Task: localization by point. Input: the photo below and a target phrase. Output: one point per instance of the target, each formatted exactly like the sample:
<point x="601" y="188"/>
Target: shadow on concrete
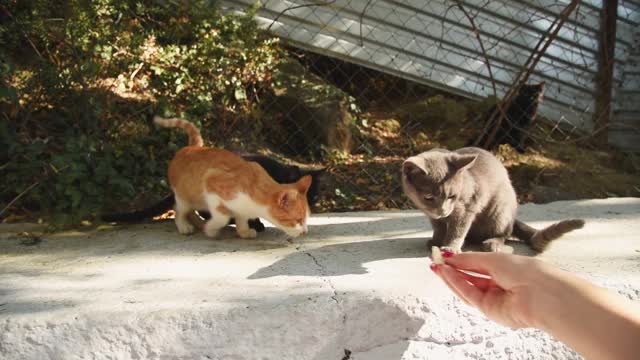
<point x="349" y="258"/>
<point x="349" y="322"/>
<point x="618" y="208"/>
<point x="26" y="291"/>
<point x="163" y="239"/>
<point x="30" y="307"/>
<point x="344" y="258"/>
<point x="369" y="324"/>
<point x="159" y="238"/>
<point x="310" y="326"/>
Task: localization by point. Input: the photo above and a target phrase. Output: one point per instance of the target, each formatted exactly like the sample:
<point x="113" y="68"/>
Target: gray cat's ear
<point x="411" y="172"/>
<point x="462" y="162"/>
<point x="409" y="167"/>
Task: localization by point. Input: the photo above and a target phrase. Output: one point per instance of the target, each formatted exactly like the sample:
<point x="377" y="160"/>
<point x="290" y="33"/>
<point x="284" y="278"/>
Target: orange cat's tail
<point x="195" y="139"/>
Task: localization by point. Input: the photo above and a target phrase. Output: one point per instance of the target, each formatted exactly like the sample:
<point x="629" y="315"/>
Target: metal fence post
<point x="604" y="77"/>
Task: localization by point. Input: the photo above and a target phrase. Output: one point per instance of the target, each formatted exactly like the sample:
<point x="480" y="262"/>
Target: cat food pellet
<point x="436" y="255"/>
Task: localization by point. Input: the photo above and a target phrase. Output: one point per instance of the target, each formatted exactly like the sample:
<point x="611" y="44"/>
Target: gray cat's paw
<point x="493" y="244"/>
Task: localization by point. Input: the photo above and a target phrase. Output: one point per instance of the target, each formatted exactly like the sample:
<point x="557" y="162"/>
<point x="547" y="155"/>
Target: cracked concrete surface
<point x="357" y="287"/>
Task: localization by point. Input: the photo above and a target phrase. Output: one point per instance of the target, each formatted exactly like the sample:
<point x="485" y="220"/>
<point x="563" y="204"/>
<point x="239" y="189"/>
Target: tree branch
<point x="476" y="31"/>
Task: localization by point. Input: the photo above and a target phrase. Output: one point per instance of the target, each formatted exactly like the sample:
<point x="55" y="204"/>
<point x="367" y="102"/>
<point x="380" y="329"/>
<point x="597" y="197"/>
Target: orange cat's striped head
<point x="289" y="207"/>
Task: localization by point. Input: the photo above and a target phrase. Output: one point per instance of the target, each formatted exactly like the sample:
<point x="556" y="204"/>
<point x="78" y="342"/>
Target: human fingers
<point x="481" y="283"/>
<point x="457" y="282"/>
<point x="437" y="269"/>
<point x="503" y="268"/>
<point x="490" y="301"/>
<point x="479" y="262"/>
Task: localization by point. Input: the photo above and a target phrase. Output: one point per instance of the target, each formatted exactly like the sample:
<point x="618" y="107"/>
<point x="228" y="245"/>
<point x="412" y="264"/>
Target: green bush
<point x="81" y="79"/>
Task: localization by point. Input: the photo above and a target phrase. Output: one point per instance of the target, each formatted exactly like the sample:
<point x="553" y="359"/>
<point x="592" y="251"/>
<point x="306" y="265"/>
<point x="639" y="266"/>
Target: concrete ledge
<point x="356" y="287"/>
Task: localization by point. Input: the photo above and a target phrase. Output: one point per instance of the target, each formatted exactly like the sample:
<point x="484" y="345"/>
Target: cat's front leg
<point x="439" y="233"/>
<point x="183" y="211"/>
<point x="494" y="244"/>
<point x="458" y="226"/>
<point x="218" y="221"/>
<point x="220" y="216"/>
<point x="243" y="229"/>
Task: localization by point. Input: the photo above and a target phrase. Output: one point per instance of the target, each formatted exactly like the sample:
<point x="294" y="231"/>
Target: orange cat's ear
<point x="303" y="184"/>
<point x="286" y="198"/>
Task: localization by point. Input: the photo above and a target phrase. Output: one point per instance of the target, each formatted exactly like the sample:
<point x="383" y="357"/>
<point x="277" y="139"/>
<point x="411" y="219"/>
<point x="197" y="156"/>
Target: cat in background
<point x="521" y="115"/>
<point x="280" y="172"/>
<point x="467" y="196"/>
<point x="226" y="185"/>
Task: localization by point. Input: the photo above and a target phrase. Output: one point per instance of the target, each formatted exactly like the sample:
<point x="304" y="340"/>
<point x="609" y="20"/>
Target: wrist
<point x="592" y="320"/>
<point x="555" y="297"/>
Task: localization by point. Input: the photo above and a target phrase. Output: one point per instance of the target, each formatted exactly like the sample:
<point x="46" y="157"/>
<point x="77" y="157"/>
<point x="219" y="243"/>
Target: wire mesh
<point x="367" y="84"/>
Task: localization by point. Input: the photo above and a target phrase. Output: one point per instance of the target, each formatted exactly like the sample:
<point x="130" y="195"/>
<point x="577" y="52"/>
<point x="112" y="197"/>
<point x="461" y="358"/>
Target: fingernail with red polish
<point x="447" y="253"/>
<point x="434" y="267"/>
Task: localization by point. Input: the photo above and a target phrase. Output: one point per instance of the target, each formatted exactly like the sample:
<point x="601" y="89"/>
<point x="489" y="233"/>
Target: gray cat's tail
<point x="540" y="239"/>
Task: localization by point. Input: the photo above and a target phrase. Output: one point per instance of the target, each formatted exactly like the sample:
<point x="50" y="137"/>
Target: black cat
<point x="521" y="115"/>
<point x="281" y="173"/>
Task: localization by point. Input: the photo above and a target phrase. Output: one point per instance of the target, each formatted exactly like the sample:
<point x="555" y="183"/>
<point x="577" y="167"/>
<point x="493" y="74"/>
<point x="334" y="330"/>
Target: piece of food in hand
<point x="436" y="255"/>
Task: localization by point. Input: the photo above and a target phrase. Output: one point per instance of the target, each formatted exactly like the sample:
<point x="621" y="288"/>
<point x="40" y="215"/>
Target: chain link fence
<point x="367" y="84"/>
<point x="354" y="87"/>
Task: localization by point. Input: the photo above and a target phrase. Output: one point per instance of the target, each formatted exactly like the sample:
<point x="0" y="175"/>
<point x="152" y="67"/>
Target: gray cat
<point x="467" y="194"/>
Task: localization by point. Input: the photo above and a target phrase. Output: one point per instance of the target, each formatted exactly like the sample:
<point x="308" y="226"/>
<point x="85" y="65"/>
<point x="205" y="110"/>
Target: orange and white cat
<point x="221" y="182"/>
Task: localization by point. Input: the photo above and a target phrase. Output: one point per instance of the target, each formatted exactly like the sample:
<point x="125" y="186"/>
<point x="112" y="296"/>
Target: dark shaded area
<point x="514" y="126"/>
<point x="349" y="258"/>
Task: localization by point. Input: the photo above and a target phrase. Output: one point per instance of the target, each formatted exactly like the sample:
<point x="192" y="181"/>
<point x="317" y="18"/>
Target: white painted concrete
<point x="358" y="281"/>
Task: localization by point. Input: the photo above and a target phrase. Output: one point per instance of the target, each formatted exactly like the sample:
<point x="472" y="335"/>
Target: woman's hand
<point x="509" y="290"/>
<point x="517" y="291"/>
